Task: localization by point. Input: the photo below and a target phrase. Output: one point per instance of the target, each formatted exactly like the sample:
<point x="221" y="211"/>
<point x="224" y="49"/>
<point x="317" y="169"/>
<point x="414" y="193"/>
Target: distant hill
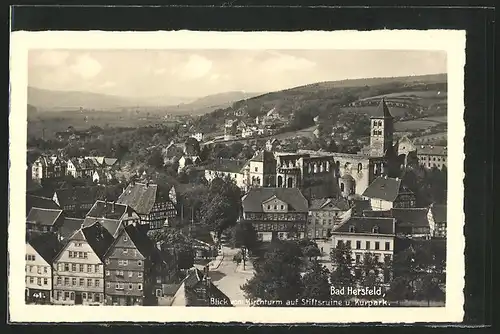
<point x="210" y="103"/>
<point x="327" y="99"/>
<point x="51" y="100"/>
<point x="217" y="100"/>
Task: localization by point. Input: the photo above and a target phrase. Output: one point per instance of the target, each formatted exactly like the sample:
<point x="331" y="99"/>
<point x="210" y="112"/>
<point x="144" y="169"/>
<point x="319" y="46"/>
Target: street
<point x="228" y="277"/>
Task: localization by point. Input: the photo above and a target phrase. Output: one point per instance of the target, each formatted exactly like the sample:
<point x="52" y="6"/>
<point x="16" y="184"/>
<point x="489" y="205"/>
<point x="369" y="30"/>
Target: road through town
<point x="229" y="277"/>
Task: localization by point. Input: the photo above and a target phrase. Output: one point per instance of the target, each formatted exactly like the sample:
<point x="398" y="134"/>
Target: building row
<point x="99" y="169"/>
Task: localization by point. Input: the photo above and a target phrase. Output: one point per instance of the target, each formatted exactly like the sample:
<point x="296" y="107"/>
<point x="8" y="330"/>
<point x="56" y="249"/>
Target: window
<point x="377" y="245"/>
<point x="256" y="169"/>
<point x="72" y="296"/>
<point x="45" y="270"/>
<point x="108" y="285"/>
<point x="130" y="273"/>
<point x="39" y="281"/>
<point x="158" y="292"/>
<point x="73" y="267"/>
<point x="80" y="268"/>
<point x="139" y="274"/>
<point x="130" y="286"/>
<point x="70" y="254"/>
<point x="96" y="267"/>
<point x="89" y="282"/>
<point x="108" y="261"/>
<point x="59" y="281"/>
<point x="85" y="255"/>
<point x="59" y="295"/>
<point x="82" y="282"/>
<point x="367" y="245"/>
<point x="348" y="243"/>
<point x="97" y="298"/>
<point x="66" y="267"/>
<point x="107" y="273"/>
<point x="89" y="267"/>
<point x="73" y="281"/>
<point x="119" y="286"/>
<point x="352" y="229"/>
<point x="358" y="244"/>
<point x="125" y="238"/>
<point x="45" y="281"/>
<point x="387" y="246"/>
<point x="125" y="251"/>
<point x="375" y="229"/>
<point x="66" y="281"/>
<point x="139" y="263"/>
<point x="139" y="286"/>
<point x="97" y="283"/>
<point x="66" y="295"/>
<point x="84" y="295"/>
<point x="358" y="258"/>
<point x="32" y="280"/>
<point x="282" y="207"/>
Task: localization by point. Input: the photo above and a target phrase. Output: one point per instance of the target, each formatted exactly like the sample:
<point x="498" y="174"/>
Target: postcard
<point x="257" y="177"/>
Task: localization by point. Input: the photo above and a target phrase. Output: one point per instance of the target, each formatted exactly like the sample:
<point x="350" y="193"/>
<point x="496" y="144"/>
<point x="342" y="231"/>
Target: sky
<point x="196" y="73"/>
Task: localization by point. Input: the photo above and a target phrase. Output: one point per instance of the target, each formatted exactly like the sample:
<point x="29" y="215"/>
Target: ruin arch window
<point x="290" y="182"/>
<point x="280" y="181"/>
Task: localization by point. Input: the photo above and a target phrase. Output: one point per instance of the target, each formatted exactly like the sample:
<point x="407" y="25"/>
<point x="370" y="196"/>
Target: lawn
<point x="415" y="124"/>
<point x="372" y="110"/>
<point x="439" y="119"/>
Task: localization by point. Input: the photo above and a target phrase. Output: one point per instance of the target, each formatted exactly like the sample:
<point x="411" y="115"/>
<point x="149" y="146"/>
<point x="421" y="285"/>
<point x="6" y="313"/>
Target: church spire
<point x="383" y="110"/>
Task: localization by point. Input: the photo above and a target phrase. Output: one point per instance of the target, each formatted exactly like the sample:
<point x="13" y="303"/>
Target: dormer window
<point x="375" y="229"/>
<point x="352" y="229"/>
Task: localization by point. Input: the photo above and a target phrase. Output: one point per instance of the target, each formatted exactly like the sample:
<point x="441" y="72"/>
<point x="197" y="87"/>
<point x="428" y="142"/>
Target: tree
<point x="245" y="235"/>
<point x="315" y="282"/>
<point x="178" y="242"/>
<point x="341" y="257"/>
<point x="156" y="159"/>
<point x="399" y="290"/>
<point x="221" y="206"/>
<point x="312" y="251"/>
<point x="429" y="290"/>
<point x="237" y="258"/>
<point x="277" y="274"/>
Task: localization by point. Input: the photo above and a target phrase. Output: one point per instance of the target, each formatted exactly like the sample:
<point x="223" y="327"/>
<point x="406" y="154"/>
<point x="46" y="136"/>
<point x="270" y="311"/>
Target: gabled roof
<point x="141" y="197"/>
<point x="385" y="188"/>
<point x="263" y="156"/>
<point x="382" y="110"/>
<point x="416" y="217"/>
<point x="47" y="217"/>
<point x="360" y="206"/>
<point x="98" y="238"/>
<point x="78" y="195"/>
<point x="47" y="245"/>
<point x="252" y="202"/>
<point x="113" y="226"/>
<point x="110" y="210"/>
<point x="143" y="243"/>
<point x="40" y="202"/>
<point x="439" y="212"/>
<point x="69" y="226"/>
<point x="366" y="225"/>
<point x="329" y="204"/>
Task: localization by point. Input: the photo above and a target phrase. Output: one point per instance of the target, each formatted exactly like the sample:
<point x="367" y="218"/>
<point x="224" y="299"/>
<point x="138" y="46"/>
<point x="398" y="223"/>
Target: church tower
<point x="381" y="131"/>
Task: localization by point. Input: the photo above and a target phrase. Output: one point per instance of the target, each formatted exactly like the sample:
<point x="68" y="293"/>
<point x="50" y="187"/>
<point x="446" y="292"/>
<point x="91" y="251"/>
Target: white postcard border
<point x="451" y="41"/>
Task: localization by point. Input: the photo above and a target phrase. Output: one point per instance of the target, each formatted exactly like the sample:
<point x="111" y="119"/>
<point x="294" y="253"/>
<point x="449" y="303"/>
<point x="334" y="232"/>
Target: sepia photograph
<point x="256" y="177"/>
